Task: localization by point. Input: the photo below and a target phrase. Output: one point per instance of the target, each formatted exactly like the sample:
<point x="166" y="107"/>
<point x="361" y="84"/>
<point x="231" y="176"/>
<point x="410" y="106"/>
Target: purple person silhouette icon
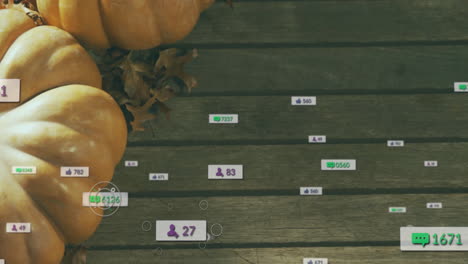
<point x="14" y="228"/>
<point x="172" y="232"/>
<point x="219" y="173"/>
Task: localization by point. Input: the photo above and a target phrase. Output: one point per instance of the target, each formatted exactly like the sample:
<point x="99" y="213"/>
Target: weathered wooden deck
<point x="380" y="70"/>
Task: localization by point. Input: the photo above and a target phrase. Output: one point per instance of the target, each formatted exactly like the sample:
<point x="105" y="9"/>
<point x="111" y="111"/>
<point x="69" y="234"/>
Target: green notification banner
<point x="338" y="164"/>
<point x="434" y="238"/>
<point x="223" y="118"/>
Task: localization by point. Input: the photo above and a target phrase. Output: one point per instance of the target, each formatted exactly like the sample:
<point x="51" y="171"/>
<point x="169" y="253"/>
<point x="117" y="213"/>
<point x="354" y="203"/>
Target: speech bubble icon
<point x="420" y="238"/>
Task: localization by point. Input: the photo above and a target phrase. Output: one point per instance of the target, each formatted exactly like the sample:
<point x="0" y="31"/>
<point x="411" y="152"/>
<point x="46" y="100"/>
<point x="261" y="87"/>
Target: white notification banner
<point x="18" y="227"/>
<point x="225" y="172"/>
<point x="2" y="261"/>
<point x="315" y="261"/>
<point x="397" y="209"/>
<point x="10" y="90"/>
<point x="303" y="100"/>
<point x="23" y="170"/>
<point x="395" y="143"/>
<point x="433" y="238"/>
<point x="181" y="230"/>
<point x="105" y="199"/>
<point x="131" y="163"/>
<point x="223" y="118"/>
<point x="74" y="172"/>
<point x="311" y="191"/>
<point x="338" y="164"/>
<point x="317" y="139"/>
<point x="434" y="205"/>
<point x="431" y="163"/>
<point x="159" y="176"/>
<point x="460" y="87"/>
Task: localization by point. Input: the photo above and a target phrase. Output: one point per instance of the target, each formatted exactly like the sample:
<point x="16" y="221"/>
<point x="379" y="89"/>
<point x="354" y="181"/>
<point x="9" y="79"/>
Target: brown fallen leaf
<point x="142" y="113"/>
<point x="141" y="81"/>
<point x="134" y="83"/>
<point x="171" y="63"/>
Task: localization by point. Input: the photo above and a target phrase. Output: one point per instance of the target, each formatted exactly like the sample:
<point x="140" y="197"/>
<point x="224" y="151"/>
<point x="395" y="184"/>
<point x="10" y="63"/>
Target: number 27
<point x="186" y="228"/>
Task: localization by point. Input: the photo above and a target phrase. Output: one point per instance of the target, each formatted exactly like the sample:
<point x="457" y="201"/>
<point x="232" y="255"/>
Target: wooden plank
<point x="328" y="70"/>
<point x="287" y="167"/>
<point x="338" y="117"/>
<point x="275" y="219"/>
<point x="253" y="22"/>
<point x="335" y="255"/>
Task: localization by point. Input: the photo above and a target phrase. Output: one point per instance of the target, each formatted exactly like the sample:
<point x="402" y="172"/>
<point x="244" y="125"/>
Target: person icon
<point x="172" y="232"/>
<point x="14" y="228"/>
<point x="219" y="173"/>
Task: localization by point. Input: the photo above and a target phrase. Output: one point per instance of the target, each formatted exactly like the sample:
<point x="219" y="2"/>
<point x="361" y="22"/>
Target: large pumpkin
<point x="128" y="24"/>
<point x="42" y="57"/>
<point x="62" y="120"/>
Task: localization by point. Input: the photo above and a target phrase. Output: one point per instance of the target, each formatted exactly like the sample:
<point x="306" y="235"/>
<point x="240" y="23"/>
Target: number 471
<point x="3" y="92"/>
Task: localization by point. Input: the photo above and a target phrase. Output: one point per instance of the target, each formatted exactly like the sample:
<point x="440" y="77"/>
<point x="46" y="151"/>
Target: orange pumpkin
<point x="128" y="24"/>
<point x="42" y="57"/>
<point x="63" y="119"/>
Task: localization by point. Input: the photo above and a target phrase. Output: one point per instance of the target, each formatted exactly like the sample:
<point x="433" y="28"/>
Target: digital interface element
<point x="18" y="227"/>
<point x="338" y="164"/>
<point x="181" y="230"/>
<point x="461" y="87"/>
<point x="225" y="172"/>
<point x="131" y="163"/>
<point x="159" y="176"/>
<point x="434" y="205"/>
<point x="433" y="238"/>
<point x="223" y="118"/>
<point x="311" y="191"/>
<point x="395" y="143"/>
<point x="318" y="139"/>
<point x="74" y="172"/>
<point x="10" y="90"/>
<point x="397" y="209"/>
<point x="315" y="261"/>
<point x="431" y="163"/>
<point x="105" y="196"/>
<point x="23" y="170"/>
<point x="420" y="238"/>
<point x="303" y="100"/>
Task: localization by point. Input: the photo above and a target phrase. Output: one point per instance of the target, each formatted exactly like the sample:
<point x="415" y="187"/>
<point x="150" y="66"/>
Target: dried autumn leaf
<point x="141" y="81"/>
<point x="133" y="79"/>
<point x="142" y="113"/>
<point x="171" y="63"/>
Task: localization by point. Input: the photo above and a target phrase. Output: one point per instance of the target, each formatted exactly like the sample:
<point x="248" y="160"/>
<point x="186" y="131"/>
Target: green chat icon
<point x="420" y="239"/>
<point x="217" y="118"/>
<point x="330" y="164"/>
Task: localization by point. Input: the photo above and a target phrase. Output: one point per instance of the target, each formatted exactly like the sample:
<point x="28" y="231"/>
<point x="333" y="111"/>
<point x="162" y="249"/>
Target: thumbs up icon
<point x="298" y="101"/>
<point x="69" y="172"/>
